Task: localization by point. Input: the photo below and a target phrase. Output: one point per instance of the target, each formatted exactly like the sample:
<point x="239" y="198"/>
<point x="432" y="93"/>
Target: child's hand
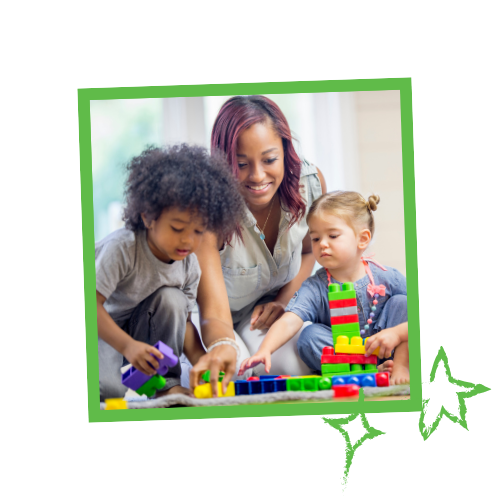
<point x="142" y="357"/>
<point x="387" y="340"/>
<point x="256" y="359"/>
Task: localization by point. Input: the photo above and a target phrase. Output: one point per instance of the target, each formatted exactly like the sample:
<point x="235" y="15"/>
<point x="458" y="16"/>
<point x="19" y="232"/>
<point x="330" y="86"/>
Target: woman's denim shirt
<point x="311" y="303"/>
<point x="251" y="273"/>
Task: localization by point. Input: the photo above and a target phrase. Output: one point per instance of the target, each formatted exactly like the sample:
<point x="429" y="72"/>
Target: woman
<point x="247" y="282"/>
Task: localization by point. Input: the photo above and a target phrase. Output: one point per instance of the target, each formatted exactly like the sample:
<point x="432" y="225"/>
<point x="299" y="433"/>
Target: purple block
<point x="133" y="378"/>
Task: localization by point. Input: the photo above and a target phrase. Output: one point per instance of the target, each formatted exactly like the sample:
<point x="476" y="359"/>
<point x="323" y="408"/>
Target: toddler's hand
<point x="142" y="357"/>
<point x="387" y="340"/>
<point x="256" y="359"/>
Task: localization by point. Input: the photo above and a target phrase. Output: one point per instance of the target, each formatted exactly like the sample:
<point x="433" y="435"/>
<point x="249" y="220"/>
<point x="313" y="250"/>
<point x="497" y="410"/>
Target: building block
<point x="346" y="327"/>
<point x="204" y="391"/>
<point x="342" y="345"/>
<point x="133" y="378"/>
<point x="343" y="320"/>
<point x="115" y="404"/>
<point x="349" y="358"/>
<point x="206" y="376"/>
<point x="335" y="368"/>
<point x="351" y="373"/>
<point x="369" y="381"/>
<point x="357" y="368"/>
<point x="351" y="294"/>
<point x="280" y="384"/>
<point x="241" y="387"/>
<point x="250" y="379"/>
<point x="338" y="380"/>
<point x="268" y="377"/>
<point x="255" y="387"/>
<point x="325" y="383"/>
<point x="345" y="391"/>
<point x="382" y="379"/>
<point x="335" y="304"/>
<point x="267" y="386"/>
<point x="328" y="351"/>
<point x="344" y="311"/>
<point x="293" y="384"/>
<point x="371" y="366"/>
<point x="154" y="384"/>
<point x="310" y="383"/>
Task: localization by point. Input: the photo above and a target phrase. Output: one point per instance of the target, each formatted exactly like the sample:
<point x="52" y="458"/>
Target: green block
<point x="335" y="287"/>
<point x="355" y="367"/>
<point x="349" y="294"/>
<point x="325" y="383"/>
<point x="310" y="384"/>
<point x="348" y="328"/>
<point x="151" y="386"/>
<point x="293" y="384"/>
<point x="370" y="367"/>
<point x="334" y="368"/>
<point x="206" y="376"/>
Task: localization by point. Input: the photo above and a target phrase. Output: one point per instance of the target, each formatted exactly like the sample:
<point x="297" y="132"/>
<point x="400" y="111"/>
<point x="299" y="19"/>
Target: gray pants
<point x="162" y="316"/>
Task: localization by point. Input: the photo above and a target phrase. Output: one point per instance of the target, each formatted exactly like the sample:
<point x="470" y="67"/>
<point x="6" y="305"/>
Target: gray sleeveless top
<point x="252" y="274"/>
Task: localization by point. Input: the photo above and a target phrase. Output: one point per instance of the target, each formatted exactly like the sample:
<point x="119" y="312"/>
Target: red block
<point x="350" y="302"/>
<point x="345" y="391"/>
<point x="382" y="379"/>
<point x="283" y="376"/>
<point x="328" y="351"/>
<point x="249" y="379"/>
<point x="341" y="320"/>
<point x="335" y="304"/>
<point x="358" y="359"/>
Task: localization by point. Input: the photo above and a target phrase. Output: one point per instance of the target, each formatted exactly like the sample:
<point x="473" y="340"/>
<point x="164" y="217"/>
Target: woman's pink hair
<point x="241" y="112"/>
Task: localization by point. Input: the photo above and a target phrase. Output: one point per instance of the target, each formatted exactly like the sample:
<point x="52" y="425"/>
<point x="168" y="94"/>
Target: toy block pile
<point x="342" y="386"/>
<point x="144" y="384"/>
<point x="347" y="357"/>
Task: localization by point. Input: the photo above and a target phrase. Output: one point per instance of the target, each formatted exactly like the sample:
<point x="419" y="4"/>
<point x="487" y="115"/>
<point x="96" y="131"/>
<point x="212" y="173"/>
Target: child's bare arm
<point x="137" y="353"/>
<point x="193" y="348"/>
<point x="279" y="334"/>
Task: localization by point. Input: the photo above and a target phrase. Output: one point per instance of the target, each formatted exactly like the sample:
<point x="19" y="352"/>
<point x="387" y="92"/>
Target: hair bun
<point x="372" y="202"/>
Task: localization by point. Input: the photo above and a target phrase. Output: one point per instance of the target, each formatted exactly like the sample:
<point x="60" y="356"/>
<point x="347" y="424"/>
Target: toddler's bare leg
<point x="401" y="368"/>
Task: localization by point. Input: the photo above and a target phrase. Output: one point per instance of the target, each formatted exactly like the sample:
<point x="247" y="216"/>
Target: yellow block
<point x="115" y="404"/>
<point x="355" y="347"/>
<point x="204" y="391"/>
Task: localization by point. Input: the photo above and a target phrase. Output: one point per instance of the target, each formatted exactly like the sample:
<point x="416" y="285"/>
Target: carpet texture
<point x="273" y="397"/>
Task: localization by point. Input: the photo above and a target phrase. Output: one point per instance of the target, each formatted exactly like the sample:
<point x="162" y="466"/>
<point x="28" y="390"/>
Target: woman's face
<point x="260" y="157"/>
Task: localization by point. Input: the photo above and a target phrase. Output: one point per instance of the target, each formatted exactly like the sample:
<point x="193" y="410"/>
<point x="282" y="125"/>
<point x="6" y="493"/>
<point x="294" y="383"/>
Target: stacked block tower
<point x="347" y="357"/>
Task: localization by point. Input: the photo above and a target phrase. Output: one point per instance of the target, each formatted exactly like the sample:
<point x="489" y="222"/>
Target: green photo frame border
<point x="414" y="403"/>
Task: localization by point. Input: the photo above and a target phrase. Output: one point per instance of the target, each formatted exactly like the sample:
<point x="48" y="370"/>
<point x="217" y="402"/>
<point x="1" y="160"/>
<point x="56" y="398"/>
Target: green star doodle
<point x="471" y="390"/>
<point x="338" y="423"/>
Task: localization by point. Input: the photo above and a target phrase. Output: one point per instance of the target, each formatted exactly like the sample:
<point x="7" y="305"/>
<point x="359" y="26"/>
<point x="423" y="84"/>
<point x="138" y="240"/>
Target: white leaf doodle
<point x="428" y="164"/>
<point x="198" y="25"/>
<point x="25" y="250"/>
<point x="75" y="67"/>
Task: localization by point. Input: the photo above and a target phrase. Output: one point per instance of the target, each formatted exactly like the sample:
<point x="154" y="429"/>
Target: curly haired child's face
<point x="260" y="157"/>
<point x="174" y="235"/>
<point x="335" y="245"/>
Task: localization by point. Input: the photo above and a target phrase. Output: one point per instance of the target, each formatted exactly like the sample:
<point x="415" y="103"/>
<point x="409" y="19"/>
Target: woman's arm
<point x="265" y="315"/>
<point x="215" y="317"/>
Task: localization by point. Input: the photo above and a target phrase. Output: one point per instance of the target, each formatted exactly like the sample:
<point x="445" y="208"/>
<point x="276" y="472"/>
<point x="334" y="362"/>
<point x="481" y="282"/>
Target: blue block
<point x="241" y="387"/>
<point x="368" y="381"/>
<point x="280" y="384"/>
<point x="354" y="380"/>
<point x="267" y="386"/>
<point x="267" y="377"/>
<point x="255" y="387"/>
<point x="338" y="381"/>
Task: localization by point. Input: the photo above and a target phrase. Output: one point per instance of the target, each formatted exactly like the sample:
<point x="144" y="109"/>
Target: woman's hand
<point x="221" y="358"/>
<point x="142" y="356"/>
<point x="387" y="340"/>
<point x="264" y="315"/>
<point x="259" y="357"/>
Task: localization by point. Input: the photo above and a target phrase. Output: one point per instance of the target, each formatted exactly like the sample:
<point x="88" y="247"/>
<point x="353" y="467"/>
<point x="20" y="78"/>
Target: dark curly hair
<point x="185" y="177"/>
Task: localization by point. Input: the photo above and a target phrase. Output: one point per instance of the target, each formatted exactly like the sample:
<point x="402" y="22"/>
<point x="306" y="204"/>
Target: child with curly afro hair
<point x="147" y="274"/>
